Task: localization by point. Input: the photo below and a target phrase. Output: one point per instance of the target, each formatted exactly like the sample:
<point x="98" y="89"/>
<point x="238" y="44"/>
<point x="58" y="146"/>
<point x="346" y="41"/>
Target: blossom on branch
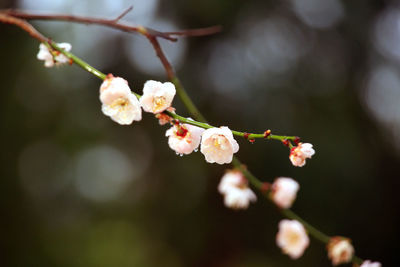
<point x="300" y="153"/>
<point x="292" y="238"/>
<point x="340" y="250"/>
<point x="54" y="57"/>
<point x="157" y="96"/>
<point x="184" y="138"/>
<point x="218" y="145"/>
<point x="283" y="192"/>
<point x="118" y="101"/>
<point x="369" y="263"/>
<point x="234" y="188"/>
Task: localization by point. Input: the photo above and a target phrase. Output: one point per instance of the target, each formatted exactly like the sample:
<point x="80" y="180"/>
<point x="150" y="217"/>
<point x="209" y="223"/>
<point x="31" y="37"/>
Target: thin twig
<point x="23" y="25"/>
<point x="114" y="23"/>
<point x="123" y="14"/>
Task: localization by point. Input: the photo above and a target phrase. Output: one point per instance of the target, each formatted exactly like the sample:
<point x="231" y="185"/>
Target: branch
<point x="123" y="14"/>
<point x="266" y="135"/>
<point x="12" y="17"/>
<point x="114" y="23"/>
<point x="23" y="25"/>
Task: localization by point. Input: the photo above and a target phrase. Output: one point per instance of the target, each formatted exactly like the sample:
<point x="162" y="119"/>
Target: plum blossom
<point x="234" y="188"/>
<point x="292" y="238"/>
<point x="184" y="138"/>
<point x="48" y="58"/>
<point x="369" y="263"/>
<point x="340" y="250"/>
<point x="283" y="191"/>
<point x="300" y="153"/>
<point x="157" y="96"/>
<point x="218" y="145"/>
<point x="118" y="102"/>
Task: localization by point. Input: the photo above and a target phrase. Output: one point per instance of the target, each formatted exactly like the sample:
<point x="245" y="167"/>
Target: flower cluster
<point x="53" y="57"/>
<point x="234" y="188"/>
<point x="218" y="146"/>
<point x="119" y="103"/>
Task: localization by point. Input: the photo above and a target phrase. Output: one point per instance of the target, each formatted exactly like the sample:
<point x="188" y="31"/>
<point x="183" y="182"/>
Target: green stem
<point x="311" y="229"/>
<point x="181" y="93"/>
<point x="250" y="177"/>
<point x="79" y="62"/>
<point x="187" y="101"/>
<point x="286" y="212"/>
<point x="241" y="134"/>
<point x="236" y="162"/>
<point x="253" y="180"/>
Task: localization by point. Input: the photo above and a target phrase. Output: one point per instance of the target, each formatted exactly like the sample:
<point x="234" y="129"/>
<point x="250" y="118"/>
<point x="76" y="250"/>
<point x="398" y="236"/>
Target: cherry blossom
<point x="218" y="145"/>
<point x="118" y="102"/>
<point x="234" y="188"/>
<point x="157" y="96"/>
<point x="292" y="238"/>
<point x="340" y="250"/>
<point x="283" y="192"/>
<point x="58" y="58"/>
<point x="184" y="138"/>
<point x="300" y="153"/>
<point x="369" y="263"/>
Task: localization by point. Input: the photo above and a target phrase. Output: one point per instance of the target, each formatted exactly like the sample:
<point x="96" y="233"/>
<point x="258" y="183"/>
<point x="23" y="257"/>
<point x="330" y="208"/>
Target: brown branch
<point x="160" y="54"/>
<point x="23" y="25"/>
<point x="197" y="32"/>
<point x="114" y="23"/>
<point x="123" y="14"/>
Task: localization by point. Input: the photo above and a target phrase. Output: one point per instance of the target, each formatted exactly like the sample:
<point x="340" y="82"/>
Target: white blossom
<point x="292" y="238"/>
<point x="300" y="153"/>
<point x="118" y="101"/>
<point x="49" y="60"/>
<point x="369" y="263"/>
<point x="218" y="145"/>
<point x="283" y="192"/>
<point x="232" y="178"/>
<point x="340" y="250"/>
<point x="157" y="96"/>
<point x="234" y="188"/>
<point x="184" y="138"/>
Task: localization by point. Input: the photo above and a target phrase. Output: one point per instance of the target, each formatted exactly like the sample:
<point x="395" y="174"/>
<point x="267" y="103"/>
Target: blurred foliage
<point x="324" y="70"/>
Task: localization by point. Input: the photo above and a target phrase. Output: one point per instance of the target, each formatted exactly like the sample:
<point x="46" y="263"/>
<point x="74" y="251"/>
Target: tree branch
<point x="114" y="23"/>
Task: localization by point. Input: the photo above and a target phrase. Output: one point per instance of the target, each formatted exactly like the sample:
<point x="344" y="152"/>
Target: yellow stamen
<point x="158" y="102"/>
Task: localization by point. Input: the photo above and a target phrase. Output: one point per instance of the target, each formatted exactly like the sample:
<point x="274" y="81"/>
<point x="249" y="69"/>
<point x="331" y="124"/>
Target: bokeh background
<point x="78" y="189"/>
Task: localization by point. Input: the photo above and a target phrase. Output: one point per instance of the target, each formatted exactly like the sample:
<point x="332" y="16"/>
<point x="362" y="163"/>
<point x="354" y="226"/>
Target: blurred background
<point x="78" y="189"/>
